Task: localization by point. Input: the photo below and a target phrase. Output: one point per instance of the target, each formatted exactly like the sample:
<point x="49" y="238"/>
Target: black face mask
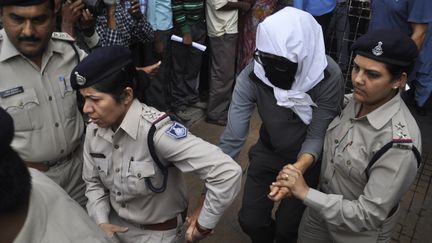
<point x="281" y="79"/>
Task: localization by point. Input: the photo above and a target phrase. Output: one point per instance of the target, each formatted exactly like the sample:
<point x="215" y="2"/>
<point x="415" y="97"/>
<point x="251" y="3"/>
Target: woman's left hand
<point x="292" y="178"/>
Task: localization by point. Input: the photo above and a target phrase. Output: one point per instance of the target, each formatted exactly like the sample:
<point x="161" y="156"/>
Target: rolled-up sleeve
<point x="221" y="174"/>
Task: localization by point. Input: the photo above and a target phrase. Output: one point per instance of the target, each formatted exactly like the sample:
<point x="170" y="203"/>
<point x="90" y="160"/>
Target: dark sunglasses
<point x="279" y="63"/>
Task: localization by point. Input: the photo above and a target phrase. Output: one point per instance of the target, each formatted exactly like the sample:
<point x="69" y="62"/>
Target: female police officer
<point x="371" y="150"/>
<point x="134" y="156"/>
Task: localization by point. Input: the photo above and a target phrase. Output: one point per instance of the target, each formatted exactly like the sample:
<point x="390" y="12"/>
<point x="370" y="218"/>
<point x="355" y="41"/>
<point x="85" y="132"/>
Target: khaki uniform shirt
<point x="53" y="217"/>
<point x="353" y="207"/>
<point x="116" y="164"/>
<point x="48" y="125"/>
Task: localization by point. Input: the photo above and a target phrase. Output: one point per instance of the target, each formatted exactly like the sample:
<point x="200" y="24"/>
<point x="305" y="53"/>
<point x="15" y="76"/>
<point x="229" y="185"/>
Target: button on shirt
<point x="46" y="117"/>
<point x="123" y="171"/>
<point x="349" y="201"/>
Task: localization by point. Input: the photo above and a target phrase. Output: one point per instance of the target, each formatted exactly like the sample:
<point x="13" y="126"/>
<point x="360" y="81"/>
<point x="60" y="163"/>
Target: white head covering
<point x="295" y="35"/>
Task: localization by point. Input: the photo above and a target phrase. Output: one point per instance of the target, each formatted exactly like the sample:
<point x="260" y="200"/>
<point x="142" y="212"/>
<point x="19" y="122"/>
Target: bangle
<point x="201" y="230"/>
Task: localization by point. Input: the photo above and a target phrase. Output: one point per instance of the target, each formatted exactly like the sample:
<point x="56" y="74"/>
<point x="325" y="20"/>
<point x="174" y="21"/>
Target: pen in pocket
<point x="62" y="79"/>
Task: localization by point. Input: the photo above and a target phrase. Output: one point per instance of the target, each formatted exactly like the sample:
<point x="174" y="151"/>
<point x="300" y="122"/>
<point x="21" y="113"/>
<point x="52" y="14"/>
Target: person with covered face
<point x="298" y="90"/>
<point x="371" y="151"/>
<point x="134" y="157"/>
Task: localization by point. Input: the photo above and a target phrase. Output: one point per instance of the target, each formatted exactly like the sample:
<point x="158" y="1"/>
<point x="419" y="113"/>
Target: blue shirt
<point x="159" y="14"/>
<point x="392" y="14"/>
<point x="315" y="7"/>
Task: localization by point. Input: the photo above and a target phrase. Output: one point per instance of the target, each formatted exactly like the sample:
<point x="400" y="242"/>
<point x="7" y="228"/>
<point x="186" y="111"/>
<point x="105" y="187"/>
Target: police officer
<point x="134" y="157"/>
<point x="371" y="151"/>
<point x="35" y="65"/>
<point x="32" y="207"/>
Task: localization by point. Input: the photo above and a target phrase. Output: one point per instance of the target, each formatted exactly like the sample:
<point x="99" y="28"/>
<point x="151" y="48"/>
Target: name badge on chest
<point x="11" y="92"/>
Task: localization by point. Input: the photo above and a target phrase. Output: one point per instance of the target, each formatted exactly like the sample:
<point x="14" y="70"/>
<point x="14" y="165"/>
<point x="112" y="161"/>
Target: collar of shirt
<point x="129" y="124"/>
<point x="383" y="114"/>
<point x="8" y="50"/>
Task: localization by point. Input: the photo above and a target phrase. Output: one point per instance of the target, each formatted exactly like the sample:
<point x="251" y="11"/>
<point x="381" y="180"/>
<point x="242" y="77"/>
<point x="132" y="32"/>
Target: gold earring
<point x="395" y="87"/>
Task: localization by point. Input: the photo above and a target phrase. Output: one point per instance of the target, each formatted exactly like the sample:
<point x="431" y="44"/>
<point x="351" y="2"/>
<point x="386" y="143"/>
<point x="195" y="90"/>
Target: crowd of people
<point x="94" y="99"/>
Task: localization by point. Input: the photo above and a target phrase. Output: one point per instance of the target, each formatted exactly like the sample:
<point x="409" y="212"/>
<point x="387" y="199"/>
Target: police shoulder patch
<point x="177" y="131"/>
<point x="62" y="36"/>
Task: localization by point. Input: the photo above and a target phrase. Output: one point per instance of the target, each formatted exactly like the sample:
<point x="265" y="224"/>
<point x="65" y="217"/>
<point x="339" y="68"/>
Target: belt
<point x="45" y="165"/>
<point x="167" y="225"/>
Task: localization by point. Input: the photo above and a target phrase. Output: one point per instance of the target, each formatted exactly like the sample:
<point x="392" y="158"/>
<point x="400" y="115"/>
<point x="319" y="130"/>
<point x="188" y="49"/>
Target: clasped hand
<point x="289" y="182"/>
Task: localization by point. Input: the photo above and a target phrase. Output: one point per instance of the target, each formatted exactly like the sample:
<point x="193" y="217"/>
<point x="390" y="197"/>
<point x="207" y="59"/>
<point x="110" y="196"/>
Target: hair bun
<point x="6" y="131"/>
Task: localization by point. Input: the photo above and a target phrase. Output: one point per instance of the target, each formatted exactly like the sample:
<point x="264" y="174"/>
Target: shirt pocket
<point x="136" y="176"/>
<point x="103" y="169"/>
<point x="68" y="98"/>
<point x="24" y="110"/>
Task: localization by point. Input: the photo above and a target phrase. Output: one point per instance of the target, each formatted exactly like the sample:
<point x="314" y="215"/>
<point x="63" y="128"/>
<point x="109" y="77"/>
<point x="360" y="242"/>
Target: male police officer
<point x="35" y="65"/>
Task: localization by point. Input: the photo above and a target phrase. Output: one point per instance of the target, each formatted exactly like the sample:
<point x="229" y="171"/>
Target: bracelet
<point x="201" y="230"/>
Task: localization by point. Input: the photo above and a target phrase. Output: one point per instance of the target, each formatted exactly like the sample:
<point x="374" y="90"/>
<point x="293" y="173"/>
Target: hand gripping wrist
<point x="203" y="231"/>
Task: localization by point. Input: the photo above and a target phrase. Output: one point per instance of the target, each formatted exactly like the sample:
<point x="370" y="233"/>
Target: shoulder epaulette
<point x="400" y="134"/>
<point x="401" y="139"/>
<point x="62" y="36"/>
<point x="154" y="116"/>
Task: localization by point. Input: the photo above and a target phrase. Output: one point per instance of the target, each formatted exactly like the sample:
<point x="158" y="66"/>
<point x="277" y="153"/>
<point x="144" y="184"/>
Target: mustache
<point x="29" y="38"/>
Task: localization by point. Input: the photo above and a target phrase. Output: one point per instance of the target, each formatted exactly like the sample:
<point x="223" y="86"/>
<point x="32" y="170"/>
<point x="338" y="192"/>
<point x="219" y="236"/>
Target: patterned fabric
<point x="260" y="10"/>
<point x="129" y="30"/>
<point x="187" y="12"/>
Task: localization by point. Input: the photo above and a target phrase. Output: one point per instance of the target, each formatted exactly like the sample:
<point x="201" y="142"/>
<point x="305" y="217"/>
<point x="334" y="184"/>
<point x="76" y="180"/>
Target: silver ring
<point x="285" y="176"/>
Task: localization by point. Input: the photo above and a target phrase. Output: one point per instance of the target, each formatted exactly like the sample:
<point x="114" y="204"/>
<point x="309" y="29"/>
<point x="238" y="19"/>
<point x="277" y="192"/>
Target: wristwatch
<point x="201" y="230"/>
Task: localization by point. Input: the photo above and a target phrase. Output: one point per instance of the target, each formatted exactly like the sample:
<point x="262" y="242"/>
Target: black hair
<point x="15" y="183"/>
<point x="397" y="70"/>
<point x="52" y="5"/>
<point x="118" y="82"/>
<point x="51" y="2"/>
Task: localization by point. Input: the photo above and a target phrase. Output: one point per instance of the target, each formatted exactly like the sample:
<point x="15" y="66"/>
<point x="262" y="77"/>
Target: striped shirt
<point x="187" y="12"/>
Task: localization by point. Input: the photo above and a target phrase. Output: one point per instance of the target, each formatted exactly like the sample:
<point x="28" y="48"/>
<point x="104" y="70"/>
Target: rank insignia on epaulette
<point x="62" y="36"/>
<point x="399" y="126"/>
<point x="177" y="131"/>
